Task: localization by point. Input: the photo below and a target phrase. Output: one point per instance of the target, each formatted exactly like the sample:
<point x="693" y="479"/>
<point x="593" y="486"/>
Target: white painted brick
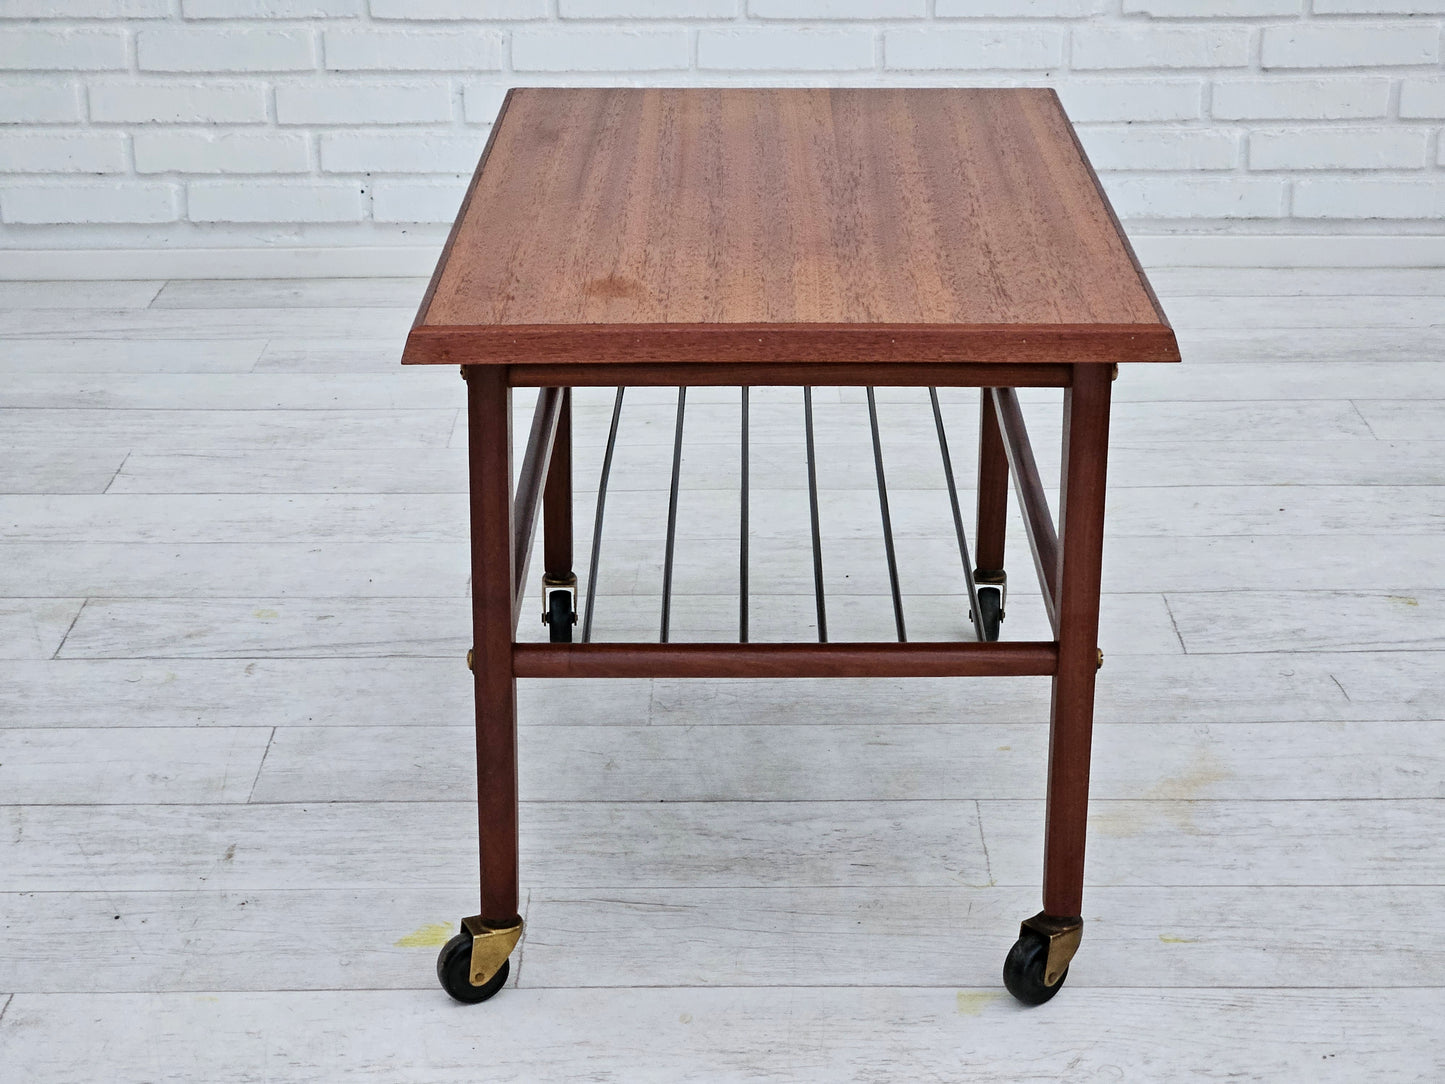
<point x="1422" y="98"/>
<point x="1323" y="44"/>
<point x="155" y="102"/>
<point x="647" y="9"/>
<point x="776" y="49"/>
<point x="85" y="9"/>
<point x="459" y="9"/>
<point x="1359" y="197"/>
<point x="396" y="152"/>
<point x="231" y="49"/>
<point x="116" y="202"/>
<point x="1188" y="197"/>
<point x="97" y="49"/>
<point x="39" y="103"/>
<point x="62" y="152"/>
<point x="221" y="152"/>
<point x="271" y="9"/>
<point x="1224" y="9"/>
<point x="1379" y="7"/>
<point x="417" y="201"/>
<point x="599" y="50"/>
<point x="402" y="50"/>
<point x="838" y="9"/>
<point x="481" y="102"/>
<point x="1161" y="47"/>
<point x="974" y="47"/>
<point x="364" y="103"/>
<point x="1132" y="148"/>
<point x="278" y="201"/>
<point x="1338" y="148"/>
<point x="1156" y="99"/>
<point x="1019" y="9"/>
<point x="1299" y="99"/>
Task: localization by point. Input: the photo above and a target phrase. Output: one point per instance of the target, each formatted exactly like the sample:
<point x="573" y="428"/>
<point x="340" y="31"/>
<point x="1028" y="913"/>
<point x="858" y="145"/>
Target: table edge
<point x="684" y="344"/>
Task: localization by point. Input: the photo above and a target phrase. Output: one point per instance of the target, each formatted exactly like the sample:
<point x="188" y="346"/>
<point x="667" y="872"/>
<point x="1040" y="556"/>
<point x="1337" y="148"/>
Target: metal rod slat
<point x="743" y="531"/>
<point x="887" y="519"/>
<point x="672" y="518"/>
<point x="813" y="514"/>
<point x="973" y="608"/>
<point x="597" y="521"/>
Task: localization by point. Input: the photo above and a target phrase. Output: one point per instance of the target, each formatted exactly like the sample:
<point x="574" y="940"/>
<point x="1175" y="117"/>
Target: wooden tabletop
<point x="772" y="225"/>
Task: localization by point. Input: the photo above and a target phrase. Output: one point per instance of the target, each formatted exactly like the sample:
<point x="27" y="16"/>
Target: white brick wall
<point x="215" y="122"/>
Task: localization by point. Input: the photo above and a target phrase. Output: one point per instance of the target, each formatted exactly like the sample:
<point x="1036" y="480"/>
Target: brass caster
<point x="471" y="658"/>
<point x="1099" y="664"/>
<point x="1038" y="963"/>
<point x="474" y="964"/>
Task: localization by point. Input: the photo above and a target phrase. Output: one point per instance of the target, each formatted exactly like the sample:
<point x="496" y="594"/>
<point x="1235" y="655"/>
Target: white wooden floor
<point x="236" y="787"/>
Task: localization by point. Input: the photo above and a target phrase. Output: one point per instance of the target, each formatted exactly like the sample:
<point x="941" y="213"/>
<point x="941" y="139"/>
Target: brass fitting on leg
<point x="491" y="945"/>
<point x="1063" y="936"/>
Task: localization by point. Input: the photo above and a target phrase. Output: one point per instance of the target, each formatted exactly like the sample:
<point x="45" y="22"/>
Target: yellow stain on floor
<point x="432" y="935"/>
<point x="1178" y="940"/>
<point x="972" y="1002"/>
<point x="1404" y="600"/>
<point x="266" y="615"/>
<point x="1170" y="798"/>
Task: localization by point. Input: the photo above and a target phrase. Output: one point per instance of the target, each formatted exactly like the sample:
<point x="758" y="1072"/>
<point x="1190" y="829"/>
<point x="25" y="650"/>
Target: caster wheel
<point x="990" y="605"/>
<point x="559" y="616"/>
<point x="454" y="969"/>
<point x="1023" y="971"/>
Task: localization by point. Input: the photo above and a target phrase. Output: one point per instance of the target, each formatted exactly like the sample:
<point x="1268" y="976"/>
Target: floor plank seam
<point x="124" y="460"/>
<point x="251" y="794"/>
<point x="1368" y="427"/>
<point x="69" y="629"/>
<point x="1183" y="647"/>
<point x="983" y="843"/>
<point x="522" y="947"/>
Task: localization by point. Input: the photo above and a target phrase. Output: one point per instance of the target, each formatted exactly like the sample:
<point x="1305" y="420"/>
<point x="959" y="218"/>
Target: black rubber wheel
<point x="559" y="616"/>
<point x="454" y="970"/>
<point x="990" y="606"/>
<point x="1023" y="971"/>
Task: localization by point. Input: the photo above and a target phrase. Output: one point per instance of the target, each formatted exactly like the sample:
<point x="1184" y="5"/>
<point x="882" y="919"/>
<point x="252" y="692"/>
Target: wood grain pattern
<point x="786" y="225"/>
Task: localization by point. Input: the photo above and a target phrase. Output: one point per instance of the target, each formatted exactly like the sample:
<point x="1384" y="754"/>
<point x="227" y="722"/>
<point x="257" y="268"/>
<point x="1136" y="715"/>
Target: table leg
<point x="1081" y="513"/>
<point x="473" y="965"/>
<point x="561" y="607"/>
<point x="989" y="576"/>
<point x="1038" y="962"/>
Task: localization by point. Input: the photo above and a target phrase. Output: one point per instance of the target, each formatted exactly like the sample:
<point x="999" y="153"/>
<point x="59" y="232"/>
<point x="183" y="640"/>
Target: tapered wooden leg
<point x="559" y="582"/>
<point x="992" y="487"/>
<point x="990" y="580"/>
<point x="557" y="498"/>
<point x="1081" y="515"/>
<point x="489" y="418"/>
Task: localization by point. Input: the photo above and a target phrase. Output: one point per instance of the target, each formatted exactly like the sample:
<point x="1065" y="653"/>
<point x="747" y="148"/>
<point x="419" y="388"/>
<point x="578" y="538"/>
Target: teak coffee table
<point x="861" y="237"/>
